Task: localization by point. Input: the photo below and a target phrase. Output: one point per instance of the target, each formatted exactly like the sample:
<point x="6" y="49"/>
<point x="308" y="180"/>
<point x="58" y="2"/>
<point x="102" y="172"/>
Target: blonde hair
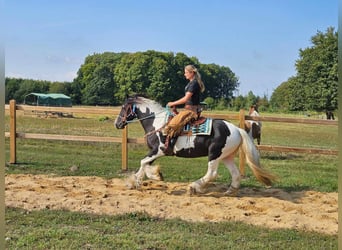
<point x="192" y="68"/>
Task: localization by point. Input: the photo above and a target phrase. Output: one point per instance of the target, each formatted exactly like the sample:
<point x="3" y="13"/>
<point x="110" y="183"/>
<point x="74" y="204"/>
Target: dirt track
<point x="273" y="208"/>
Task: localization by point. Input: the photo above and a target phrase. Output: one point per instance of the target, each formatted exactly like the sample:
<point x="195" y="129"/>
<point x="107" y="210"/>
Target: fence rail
<point x="124" y="140"/>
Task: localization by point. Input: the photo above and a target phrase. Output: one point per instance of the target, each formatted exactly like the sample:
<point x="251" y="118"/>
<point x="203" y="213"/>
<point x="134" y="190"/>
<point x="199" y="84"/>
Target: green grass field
<point x="69" y="230"/>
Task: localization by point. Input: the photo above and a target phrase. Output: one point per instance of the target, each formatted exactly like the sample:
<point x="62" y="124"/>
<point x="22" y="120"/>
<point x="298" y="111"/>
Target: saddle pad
<point x="201" y="129"/>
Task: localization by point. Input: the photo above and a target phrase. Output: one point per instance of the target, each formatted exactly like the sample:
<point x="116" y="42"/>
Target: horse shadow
<point x="277" y="157"/>
<point x="217" y="190"/>
<point x="19" y="165"/>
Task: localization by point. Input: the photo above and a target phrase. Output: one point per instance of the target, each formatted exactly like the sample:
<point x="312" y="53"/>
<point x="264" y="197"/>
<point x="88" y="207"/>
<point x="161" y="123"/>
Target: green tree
<point x="160" y="77"/>
<point x="289" y="96"/>
<point x="12" y="85"/>
<point x="131" y="75"/>
<point x="317" y="72"/>
<point x="28" y="86"/>
<point x="314" y="87"/>
<point x="95" y="84"/>
<point x="239" y="102"/>
<point x="152" y="73"/>
<point x="18" y="88"/>
<point x="263" y="103"/>
<point x="251" y="99"/>
<point x="59" y="87"/>
<point x="220" y="81"/>
<point x="107" y="78"/>
<point x="280" y="99"/>
<point x="75" y="92"/>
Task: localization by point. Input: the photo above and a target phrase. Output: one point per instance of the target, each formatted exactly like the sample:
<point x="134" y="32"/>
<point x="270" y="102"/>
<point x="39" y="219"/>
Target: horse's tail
<point x="253" y="160"/>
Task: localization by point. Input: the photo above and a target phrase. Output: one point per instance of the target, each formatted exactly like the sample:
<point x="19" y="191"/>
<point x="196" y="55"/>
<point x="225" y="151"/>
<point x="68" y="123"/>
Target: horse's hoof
<point x="129" y="185"/>
<point x="195" y="189"/>
<point x="192" y="191"/>
<point x="232" y="191"/>
<point x="132" y="182"/>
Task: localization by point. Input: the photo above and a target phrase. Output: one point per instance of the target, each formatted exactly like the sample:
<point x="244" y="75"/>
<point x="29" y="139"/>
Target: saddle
<point x="186" y="122"/>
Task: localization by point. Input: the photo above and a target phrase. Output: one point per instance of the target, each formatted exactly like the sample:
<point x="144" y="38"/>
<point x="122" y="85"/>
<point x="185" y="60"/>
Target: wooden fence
<point x="124" y="140"/>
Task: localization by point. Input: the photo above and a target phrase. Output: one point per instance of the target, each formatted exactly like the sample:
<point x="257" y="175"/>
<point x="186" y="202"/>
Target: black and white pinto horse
<point x="253" y="129"/>
<point x="221" y="145"/>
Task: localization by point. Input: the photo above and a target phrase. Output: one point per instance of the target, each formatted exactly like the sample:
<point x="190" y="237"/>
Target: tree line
<point x="315" y="85"/>
<point x="106" y="78"/>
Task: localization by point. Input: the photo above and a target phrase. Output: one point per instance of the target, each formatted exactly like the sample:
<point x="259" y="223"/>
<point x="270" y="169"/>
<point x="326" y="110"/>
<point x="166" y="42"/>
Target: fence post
<point x="242" y="157"/>
<point x="124" y="156"/>
<point x="13" y="132"/>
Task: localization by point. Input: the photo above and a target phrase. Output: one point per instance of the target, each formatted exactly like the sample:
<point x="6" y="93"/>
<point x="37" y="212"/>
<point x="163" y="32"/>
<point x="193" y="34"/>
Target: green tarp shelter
<point x="52" y="100"/>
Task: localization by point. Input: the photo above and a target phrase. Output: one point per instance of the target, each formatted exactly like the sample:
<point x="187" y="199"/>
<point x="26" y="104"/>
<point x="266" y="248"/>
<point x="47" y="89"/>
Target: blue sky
<point x="259" y="40"/>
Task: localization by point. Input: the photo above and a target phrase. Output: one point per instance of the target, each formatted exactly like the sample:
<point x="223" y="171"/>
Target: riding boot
<point x="169" y="144"/>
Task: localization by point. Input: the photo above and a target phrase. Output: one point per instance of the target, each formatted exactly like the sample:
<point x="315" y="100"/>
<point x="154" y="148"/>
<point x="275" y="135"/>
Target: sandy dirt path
<point x="272" y="208"/>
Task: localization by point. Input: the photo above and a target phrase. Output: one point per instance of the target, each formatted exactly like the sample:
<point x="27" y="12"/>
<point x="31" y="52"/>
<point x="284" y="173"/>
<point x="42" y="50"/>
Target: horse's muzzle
<point x="119" y="124"/>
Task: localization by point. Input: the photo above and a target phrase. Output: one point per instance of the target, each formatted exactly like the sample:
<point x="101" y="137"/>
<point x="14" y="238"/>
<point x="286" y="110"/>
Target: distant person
<point x="253" y="128"/>
<point x="253" y="111"/>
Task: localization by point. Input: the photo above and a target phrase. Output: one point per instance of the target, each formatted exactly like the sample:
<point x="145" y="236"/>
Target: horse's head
<point x="127" y="113"/>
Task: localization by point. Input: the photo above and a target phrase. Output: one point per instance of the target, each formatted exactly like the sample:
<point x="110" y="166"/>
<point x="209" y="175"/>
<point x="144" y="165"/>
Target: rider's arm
<point x="182" y="100"/>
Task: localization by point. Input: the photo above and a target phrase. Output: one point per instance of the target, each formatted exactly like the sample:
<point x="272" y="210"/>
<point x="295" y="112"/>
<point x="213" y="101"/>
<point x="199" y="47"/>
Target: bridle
<point x="129" y="113"/>
<point x="130" y="116"/>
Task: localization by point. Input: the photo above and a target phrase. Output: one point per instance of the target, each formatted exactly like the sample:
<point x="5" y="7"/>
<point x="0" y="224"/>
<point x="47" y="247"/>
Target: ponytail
<point x="192" y="68"/>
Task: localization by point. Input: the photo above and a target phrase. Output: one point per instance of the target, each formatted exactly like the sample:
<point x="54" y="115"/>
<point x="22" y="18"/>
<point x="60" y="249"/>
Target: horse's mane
<point x="144" y="99"/>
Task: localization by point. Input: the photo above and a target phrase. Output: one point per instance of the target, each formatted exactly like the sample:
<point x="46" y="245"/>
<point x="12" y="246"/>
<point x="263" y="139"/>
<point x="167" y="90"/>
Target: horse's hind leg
<point x="199" y="185"/>
<point x="235" y="173"/>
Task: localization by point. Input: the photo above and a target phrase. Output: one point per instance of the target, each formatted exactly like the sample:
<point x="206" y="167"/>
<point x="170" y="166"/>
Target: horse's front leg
<point x="199" y="185"/>
<point x="152" y="172"/>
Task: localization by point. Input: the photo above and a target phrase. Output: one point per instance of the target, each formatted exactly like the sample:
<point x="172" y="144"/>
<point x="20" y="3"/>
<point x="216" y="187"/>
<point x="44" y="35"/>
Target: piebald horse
<point x="221" y="144"/>
<point x="253" y="129"/>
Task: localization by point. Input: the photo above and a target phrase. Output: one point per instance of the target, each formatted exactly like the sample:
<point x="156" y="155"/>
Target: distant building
<point x="50" y="100"/>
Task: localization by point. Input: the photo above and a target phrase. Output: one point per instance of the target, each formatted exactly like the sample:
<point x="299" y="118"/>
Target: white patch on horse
<point x="185" y="142"/>
<point x="233" y="140"/>
<point x="146" y="105"/>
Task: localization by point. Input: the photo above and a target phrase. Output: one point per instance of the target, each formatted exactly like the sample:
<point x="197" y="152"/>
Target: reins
<point x="141" y="119"/>
<point x="168" y="113"/>
<point x="133" y="114"/>
<point x="148" y="117"/>
<point x="154" y="131"/>
<point x="144" y="118"/>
